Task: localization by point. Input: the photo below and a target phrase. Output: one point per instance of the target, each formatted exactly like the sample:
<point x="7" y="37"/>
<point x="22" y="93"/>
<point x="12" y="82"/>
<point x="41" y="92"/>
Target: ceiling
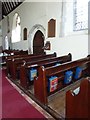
<point x="7" y="6"/>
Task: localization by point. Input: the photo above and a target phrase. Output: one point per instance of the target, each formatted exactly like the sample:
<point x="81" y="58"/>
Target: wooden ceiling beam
<point x="6" y="7"/>
<point x="9" y="6"/>
<point x="14" y="3"/>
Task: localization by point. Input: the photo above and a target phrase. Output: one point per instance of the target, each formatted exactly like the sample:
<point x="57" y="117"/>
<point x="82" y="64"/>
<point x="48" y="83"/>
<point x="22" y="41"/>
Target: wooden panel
<point x="40" y="91"/>
<point x="77" y="105"/>
<point x="51" y="28"/>
<point x="57" y="101"/>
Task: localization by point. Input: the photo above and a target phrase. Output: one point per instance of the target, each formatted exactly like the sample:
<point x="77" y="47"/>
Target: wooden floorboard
<point x="57" y="101"/>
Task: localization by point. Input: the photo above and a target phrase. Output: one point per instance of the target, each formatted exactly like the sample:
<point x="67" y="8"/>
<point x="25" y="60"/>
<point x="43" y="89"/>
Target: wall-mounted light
<point x="47" y="46"/>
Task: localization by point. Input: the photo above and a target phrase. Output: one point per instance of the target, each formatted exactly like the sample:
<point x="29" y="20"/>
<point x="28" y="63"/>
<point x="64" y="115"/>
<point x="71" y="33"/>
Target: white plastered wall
<point x="35" y="16"/>
<point x="1" y="33"/>
<point x="89" y="28"/>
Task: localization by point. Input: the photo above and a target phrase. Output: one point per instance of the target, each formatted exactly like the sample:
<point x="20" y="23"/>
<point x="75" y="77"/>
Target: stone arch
<point x="32" y="32"/>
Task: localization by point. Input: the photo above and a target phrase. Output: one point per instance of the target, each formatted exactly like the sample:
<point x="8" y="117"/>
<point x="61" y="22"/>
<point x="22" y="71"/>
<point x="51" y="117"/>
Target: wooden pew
<point x="10" y="54"/>
<point x="11" y="57"/>
<point x="9" y="60"/>
<point x="41" y="82"/>
<point x="78" y="102"/>
<point x="25" y="82"/>
<point x="21" y="52"/>
<point x="2" y="60"/>
<point x="15" y="52"/>
<point x="18" y="62"/>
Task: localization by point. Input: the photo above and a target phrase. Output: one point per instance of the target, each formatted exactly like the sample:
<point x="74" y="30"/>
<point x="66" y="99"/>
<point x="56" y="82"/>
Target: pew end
<point x="78" y="104"/>
<point x="40" y="91"/>
<point x="23" y="79"/>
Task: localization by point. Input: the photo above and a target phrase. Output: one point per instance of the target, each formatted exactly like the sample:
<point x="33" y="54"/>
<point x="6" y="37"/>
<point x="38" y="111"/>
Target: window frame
<point x="14" y="27"/>
<point x="75" y="18"/>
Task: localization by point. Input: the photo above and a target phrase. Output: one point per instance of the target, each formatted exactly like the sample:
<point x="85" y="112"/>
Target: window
<point x="80" y="14"/>
<point x="6" y="43"/>
<point x="25" y="33"/>
<point x="16" y="28"/>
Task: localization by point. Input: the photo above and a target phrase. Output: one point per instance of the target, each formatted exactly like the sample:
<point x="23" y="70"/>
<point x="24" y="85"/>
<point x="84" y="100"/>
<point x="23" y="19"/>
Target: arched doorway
<point x="38" y="43"/>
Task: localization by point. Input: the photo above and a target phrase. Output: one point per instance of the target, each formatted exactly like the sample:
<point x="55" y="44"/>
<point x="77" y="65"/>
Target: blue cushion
<point x="32" y="74"/>
<point x="52" y="83"/>
<point x="78" y="73"/>
<point x="68" y="77"/>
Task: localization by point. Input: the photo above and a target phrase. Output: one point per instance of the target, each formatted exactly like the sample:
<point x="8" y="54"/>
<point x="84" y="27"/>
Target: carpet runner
<point x="14" y="105"/>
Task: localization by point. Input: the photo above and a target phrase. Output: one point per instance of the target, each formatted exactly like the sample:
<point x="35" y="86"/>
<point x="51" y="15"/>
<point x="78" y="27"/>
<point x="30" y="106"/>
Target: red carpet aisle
<point x="14" y="105"/>
<point x="0" y="95"/>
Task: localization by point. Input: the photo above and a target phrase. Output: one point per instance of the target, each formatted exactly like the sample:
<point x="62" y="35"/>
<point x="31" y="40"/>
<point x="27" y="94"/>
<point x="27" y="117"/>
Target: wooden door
<point x="38" y="43"/>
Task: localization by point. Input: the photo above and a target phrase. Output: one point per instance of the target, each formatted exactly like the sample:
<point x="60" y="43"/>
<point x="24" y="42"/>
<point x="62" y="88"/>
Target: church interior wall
<point x="40" y="13"/>
<point x="89" y="28"/>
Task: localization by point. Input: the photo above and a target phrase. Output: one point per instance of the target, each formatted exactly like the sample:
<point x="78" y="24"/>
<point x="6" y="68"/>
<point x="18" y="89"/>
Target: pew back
<point x="18" y="62"/>
<point x="25" y="68"/>
<point x="9" y="59"/>
<point x="41" y="93"/>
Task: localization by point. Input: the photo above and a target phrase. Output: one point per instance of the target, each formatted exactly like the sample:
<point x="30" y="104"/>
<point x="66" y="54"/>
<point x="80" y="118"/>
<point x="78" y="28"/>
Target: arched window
<point x="25" y="33"/>
<point x="6" y="43"/>
<point x="80" y="14"/>
<point x="51" y="28"/>
<point x="16" y="28"/>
